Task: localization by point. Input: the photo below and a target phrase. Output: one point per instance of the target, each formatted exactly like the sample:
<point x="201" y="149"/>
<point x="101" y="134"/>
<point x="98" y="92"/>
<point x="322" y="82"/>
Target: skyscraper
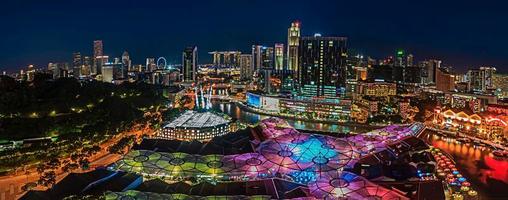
<point x="126" y="61"/>
<point x="245" y="67"/>
<point x="486" y="75"/>
<point x="429" y="68"/>
<point x="228" y="59"/>
<point x="267" y="66"/>
<point x="97" y="48"/>
<point x="410" y="60"/>
<point x="257" y="58"/>
<point x="293" y="43"/>
<point x="99" y="62"/>
<point x="98" y="51"/>
<point x="322" y="61"/>
<point x="268" y="58"/>
<point x="77" y="62"/>
<point x="150" y="64"/>
<point x="189" y="63"/>
<point x="87" y="66"/>
<point x="279" y="56"/>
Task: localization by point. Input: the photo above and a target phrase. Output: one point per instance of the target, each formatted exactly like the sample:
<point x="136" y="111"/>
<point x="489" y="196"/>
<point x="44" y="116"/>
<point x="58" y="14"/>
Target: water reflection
<point x="488" y="174"/>
<point x="252" y="118"/>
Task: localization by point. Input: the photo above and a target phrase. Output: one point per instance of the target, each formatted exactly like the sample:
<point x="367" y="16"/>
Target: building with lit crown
<point x="292" y="49"/>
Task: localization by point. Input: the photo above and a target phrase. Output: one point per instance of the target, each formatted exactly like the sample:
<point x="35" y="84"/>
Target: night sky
<point x="463" y="35"/>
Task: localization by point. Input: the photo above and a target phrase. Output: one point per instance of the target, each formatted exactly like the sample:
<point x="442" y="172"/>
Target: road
<point x="10" y="186"/>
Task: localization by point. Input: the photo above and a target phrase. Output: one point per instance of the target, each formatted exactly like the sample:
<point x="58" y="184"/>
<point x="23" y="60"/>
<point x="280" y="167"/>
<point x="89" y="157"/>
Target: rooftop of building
<point x="233" y="143"/>
<point x="194" y="119"/>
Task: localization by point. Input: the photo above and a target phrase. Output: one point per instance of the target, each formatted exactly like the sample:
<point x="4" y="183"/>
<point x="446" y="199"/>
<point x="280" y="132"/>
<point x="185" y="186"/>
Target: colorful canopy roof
<point x="309" y="159"/>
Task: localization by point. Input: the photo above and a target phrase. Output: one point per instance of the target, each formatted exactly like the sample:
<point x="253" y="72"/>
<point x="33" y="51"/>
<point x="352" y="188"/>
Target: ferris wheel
<point x="162" y="63"/>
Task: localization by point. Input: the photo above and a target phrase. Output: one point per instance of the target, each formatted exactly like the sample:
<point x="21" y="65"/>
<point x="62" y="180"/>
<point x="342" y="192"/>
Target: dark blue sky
<point x="461" y="34"/>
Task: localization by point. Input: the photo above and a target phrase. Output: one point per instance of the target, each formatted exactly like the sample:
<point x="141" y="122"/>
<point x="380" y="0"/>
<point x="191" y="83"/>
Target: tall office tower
<point x="245" y="67"/>
<point x="399" y="59"/>
<point x="486" y="74"/>
<point x="99" y="62"/>
<point x="322" y="70"/>
<point x="293" y="43"/>
<point x="279" y="56"/>
<point x="226" y="59"/>
<point x="98" y="51"/>
<point x="126" y="61"/>
<point x="87" y="66"/>
<point x="119" y="69"/>
<point x="150" y="65"/>
<point x="77" y="62"/>
<point x="97" y="48"/>
<point x="410" y="60"/>
<point x="429" y="68"/>
<point x="189" y="63"/>
<point x="257" y="58"/>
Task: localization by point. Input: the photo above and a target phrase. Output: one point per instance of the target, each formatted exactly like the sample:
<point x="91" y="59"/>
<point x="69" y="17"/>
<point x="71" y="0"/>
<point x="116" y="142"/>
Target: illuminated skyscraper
<point x="257" y="58"/>
<point x="322" y="70"/>
<point x="126" y="61"/>
<point x="293" y="43"/>
<point x="245" y="67"/>
<point x="189" y="63"/>
<point x="98" y="51"/>
<point x="226" y="59"/>
<point x="268" y="57"/>
<point x="99" y="62"/>
<point x="87" y="66"/>
<point x="279" y="56"/>
<point x="429" y="68"/>
<point x="97" y="48"/>
<point x="410" y="60"/>
<point x="150" y="64"/>
<point x="77" y="62"/>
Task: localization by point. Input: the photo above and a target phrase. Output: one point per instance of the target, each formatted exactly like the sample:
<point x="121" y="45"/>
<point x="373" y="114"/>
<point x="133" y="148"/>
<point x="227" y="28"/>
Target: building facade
<point x="322" y="65"/>
<point x="189" y="64"/>
<point x="246" y="67"/>
<point x="292" y="49"/>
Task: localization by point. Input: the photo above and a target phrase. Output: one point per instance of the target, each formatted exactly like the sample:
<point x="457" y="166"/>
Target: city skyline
<point x="52" y="32"/>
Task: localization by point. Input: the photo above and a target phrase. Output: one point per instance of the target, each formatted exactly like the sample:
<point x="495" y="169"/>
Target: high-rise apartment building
<point x="322" y="70"/>
<point x="189" y="64"/>
<point x="480" y="80"/>
<point x="246" y="67"/>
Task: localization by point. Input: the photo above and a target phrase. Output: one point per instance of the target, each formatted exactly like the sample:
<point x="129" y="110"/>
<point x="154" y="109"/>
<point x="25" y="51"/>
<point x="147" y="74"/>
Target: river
<point x="488" y="175"/>
<point x="252" y="118"/>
